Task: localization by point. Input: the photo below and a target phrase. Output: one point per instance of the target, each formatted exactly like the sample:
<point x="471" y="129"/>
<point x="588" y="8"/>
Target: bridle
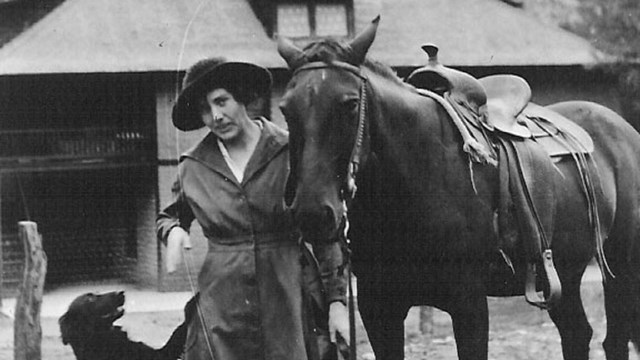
<point x="349" y="188"/>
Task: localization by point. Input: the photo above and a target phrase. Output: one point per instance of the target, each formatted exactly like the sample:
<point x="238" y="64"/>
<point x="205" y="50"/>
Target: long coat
<point x="251" y="285"/>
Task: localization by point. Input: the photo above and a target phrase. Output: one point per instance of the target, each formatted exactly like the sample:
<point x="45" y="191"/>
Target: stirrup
<point x="532" y="296"/>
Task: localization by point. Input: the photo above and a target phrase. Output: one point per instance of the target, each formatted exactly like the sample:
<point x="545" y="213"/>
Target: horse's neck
<point x="414" y="137"/>
<point x="406" y="125"/>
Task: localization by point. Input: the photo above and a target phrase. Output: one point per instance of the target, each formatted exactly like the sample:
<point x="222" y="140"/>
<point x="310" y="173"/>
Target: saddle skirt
<point x="554" y="132"/>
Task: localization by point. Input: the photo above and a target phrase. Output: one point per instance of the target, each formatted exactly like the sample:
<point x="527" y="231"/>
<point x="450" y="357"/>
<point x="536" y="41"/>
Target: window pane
<point x="293" y="20"/>
<point x="331" y="20"/>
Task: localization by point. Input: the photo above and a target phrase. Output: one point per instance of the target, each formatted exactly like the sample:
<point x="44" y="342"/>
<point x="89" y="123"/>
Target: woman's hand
<point x="339" y="321"/>
<point x="177" y="239"/>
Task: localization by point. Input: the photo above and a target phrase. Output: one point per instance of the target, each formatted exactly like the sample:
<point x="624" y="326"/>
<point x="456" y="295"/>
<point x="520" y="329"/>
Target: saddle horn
<point x="361" y="43"/>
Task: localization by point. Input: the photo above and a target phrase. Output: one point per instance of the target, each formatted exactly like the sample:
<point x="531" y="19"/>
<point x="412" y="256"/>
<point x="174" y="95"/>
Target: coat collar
<point x="273" y="140"/>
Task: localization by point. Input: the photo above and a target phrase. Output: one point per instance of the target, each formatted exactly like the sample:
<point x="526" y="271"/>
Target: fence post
<point x="426" y="321"/>
<point x="27" y="336"/>
<point x="1" y="254"/>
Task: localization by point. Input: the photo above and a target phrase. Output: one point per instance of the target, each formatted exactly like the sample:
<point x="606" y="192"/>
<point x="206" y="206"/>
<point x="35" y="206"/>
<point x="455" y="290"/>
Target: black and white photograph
<point x="319" y="179"/>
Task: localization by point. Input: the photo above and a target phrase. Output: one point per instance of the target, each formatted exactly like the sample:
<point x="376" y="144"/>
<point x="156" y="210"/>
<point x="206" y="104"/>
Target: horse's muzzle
<point x="321" y="221"/>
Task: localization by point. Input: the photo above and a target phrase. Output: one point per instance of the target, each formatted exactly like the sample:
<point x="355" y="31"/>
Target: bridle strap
<point x="344" y="237"/>
<point x="356" y="152"/>
<point x="325" y="65"/>
<point x="353" y="168"/>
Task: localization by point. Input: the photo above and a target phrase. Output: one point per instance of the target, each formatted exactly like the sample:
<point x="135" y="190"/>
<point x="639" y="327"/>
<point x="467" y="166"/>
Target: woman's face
<point x="223" y="115"/>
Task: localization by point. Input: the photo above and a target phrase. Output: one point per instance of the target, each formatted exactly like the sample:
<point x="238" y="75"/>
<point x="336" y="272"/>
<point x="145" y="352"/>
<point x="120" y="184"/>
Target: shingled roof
<point x="138" y="36"/>
<point x="470" y="33"/>
<point x="167" y="35"/>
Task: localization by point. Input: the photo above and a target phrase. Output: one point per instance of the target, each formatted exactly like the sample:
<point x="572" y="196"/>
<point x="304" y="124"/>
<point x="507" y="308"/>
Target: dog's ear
<point x="68" y="328"/>
<point x="77" y="324"/>
<point x="76" y="328"/>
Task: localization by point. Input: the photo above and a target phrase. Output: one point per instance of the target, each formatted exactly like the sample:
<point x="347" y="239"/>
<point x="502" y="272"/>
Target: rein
<point x="188" y="262"/>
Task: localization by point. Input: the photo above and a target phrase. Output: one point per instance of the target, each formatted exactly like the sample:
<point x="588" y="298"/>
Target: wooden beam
<point x="27" y="336"/>
<point x="1" y="254"/>
<point x="426" y="321"/>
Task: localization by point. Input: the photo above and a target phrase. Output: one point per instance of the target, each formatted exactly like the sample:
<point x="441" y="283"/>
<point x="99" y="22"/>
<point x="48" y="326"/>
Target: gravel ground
<point x="518" y="331"/>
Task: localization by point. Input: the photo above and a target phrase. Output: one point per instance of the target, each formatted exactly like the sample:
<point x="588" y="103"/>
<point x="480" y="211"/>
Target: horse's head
<point x="324" y="105"/>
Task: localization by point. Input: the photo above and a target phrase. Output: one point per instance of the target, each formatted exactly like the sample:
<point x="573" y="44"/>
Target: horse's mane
<point x="329" y="50"/>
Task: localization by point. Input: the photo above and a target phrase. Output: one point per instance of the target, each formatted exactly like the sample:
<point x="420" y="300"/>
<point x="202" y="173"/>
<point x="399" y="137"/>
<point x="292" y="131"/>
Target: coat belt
<point x="250" y="240"/>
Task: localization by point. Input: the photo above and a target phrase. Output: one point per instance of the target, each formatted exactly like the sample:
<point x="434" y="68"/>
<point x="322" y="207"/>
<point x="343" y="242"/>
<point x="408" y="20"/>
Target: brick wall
<point x="146" y="268"/>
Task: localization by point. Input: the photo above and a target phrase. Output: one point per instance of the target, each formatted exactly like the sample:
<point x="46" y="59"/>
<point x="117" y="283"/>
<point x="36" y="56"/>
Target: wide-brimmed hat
<point x="210" y="73"/>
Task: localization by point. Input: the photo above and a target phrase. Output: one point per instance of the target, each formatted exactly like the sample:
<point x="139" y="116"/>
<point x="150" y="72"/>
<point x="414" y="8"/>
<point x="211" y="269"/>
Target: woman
<point x="252" y="298"/>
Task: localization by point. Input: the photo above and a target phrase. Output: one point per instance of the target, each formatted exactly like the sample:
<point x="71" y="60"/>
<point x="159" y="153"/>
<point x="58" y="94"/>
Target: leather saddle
<point x="501" y="104"/>
<point x="497" y="111"/>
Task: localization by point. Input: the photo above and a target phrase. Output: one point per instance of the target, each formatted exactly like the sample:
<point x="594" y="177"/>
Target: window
<point x="331" y="20"/>
<point x="293" y="20"/>
<point x="314" y="18"/>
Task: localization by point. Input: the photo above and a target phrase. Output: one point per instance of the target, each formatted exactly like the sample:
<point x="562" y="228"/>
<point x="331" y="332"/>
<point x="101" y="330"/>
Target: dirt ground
<point x="517" y="331"/>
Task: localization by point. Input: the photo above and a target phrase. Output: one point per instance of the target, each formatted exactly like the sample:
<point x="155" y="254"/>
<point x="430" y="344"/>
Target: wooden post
<point x="426" y="321"/>
<point x="1" y="254"/>
<point x="27" y="335"/>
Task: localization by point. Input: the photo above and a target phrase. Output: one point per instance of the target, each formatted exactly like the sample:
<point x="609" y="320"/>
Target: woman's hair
<point x="237" y="89"/>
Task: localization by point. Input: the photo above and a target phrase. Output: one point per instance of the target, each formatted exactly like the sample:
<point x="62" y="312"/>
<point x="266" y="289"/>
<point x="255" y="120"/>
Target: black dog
<point x="88" y="327"/>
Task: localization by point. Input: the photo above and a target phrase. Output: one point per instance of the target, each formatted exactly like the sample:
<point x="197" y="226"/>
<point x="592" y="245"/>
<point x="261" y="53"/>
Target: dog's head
<point x="89" y="314"/>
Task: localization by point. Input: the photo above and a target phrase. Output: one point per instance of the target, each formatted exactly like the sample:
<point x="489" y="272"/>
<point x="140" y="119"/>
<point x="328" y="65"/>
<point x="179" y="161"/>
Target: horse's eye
<point x="350" y="106"/>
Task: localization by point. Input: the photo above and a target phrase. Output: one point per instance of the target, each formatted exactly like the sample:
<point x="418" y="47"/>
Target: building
<point x="87" y="149"/>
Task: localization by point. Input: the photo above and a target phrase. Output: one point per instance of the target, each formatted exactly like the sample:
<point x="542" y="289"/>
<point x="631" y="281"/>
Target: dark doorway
<point x="87" y="219"/>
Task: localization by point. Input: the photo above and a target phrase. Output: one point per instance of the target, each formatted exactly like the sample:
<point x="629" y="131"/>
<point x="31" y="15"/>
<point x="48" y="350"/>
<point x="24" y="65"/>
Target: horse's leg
<point x="569" y="317"/>
<point x="622" y="292"/>
<point x="470" y="319"/>
<point x="622" y="304"/>
<point x="468" y="308"/>
<point x="383" y="316"/>
<point x="635" y="318"/>
<point x="617" y="147"/>
<point x="617" y="340"/>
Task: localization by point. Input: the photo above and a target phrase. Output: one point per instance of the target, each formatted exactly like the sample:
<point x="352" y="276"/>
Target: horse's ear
<point x="361" y="43"/>
<point x="292" y="54"/>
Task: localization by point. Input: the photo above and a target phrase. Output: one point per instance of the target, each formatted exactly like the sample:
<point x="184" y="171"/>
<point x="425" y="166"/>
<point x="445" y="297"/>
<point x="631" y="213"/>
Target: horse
<point x="368" y="150"/>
